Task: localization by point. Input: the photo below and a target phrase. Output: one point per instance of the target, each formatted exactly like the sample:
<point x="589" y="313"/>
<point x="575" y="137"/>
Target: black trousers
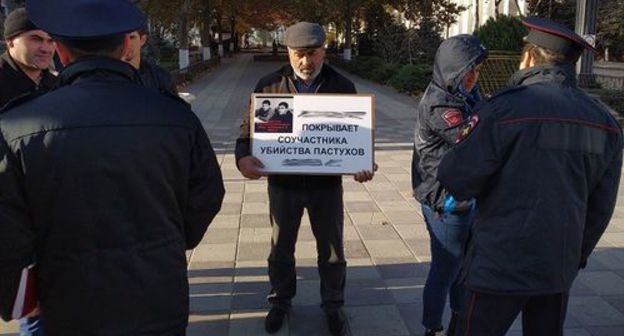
<point x="492" y="315"/>
<point x="325" y="210"/>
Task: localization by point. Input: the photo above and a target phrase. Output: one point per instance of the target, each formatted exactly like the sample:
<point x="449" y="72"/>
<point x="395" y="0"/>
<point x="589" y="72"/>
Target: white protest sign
<point x="313" y="133"/>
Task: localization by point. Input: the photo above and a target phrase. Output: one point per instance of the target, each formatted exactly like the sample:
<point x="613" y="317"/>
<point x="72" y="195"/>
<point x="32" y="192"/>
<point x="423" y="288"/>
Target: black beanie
<point x="16" y="23"/>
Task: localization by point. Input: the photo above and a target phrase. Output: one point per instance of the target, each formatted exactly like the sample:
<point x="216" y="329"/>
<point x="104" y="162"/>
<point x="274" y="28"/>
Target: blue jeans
<point x="30" y="326"/>
<point x="448" y="235"/>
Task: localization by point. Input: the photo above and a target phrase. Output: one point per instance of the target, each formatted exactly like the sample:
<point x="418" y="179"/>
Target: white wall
<point x="466" y="21"/>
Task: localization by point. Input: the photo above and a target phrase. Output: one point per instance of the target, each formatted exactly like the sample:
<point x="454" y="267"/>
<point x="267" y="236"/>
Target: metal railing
<point x="497" y="71"/>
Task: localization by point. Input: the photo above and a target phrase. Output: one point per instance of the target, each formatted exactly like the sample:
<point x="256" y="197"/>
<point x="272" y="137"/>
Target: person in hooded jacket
<point x="445" y="106"/>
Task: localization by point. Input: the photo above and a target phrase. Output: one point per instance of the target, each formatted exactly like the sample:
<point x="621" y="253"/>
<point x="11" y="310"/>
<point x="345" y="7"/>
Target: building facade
<point x="479" y="11"/>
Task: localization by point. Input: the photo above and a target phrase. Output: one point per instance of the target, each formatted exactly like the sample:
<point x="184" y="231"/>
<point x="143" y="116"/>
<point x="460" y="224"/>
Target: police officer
<point x="445" y="106"/>
<point x="107" y="181"/>
<point x="543" y="161"/>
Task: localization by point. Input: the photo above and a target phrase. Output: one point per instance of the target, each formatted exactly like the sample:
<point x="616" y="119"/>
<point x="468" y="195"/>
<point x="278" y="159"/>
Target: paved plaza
<point x="386" y="243"/>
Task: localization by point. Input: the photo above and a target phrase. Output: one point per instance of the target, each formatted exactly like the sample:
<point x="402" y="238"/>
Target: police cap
<point x="555" y="36"/>
<point x="85" y="19"/>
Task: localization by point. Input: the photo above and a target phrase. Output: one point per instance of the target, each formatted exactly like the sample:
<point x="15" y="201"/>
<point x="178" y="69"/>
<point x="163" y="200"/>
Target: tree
<point x="477" y="15"/>
<point x="446" y="13"/>
<point x="502" y="33"/>
<point x="611" y="29"/>
<point x="182" y="34"/>
<point x="562" y="11"/>
<point x="431" y="17"/>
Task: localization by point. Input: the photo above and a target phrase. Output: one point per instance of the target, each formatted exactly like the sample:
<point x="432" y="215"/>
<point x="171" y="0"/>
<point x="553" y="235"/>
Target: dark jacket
<point x="14" y="82"/>
<point x="440" y="114"/>
<point x="155" y="77"/>
<point x="544" y="164"/>
<point x="116" y="181"/>
<point x="282" y="81"/>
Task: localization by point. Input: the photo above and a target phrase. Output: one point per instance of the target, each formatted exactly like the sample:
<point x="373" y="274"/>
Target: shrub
<point x="502" y="33"/>
<point x="384" y="73"/>
<point x="412" y="78"/>
<point x="614" y="99"/>
<point x="363" y="65"/>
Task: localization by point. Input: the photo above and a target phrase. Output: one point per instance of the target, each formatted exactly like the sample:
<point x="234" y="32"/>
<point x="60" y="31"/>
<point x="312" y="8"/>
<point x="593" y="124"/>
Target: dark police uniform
<point x="443" y="109"/>
<point x="109" y="183"/>
<point x="441" y="112"/>
<point x="544" y="164"/>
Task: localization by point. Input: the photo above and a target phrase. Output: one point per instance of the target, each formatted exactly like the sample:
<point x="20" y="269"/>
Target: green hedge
<point x="364" y="65"/>
<point x="502" y="33"/>
<point x="613" y="98"/>
<point x="411" y="79"/>
<point x="385" y="72"/>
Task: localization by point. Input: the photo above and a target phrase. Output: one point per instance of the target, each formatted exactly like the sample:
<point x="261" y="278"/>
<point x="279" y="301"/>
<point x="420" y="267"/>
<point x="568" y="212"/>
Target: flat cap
<point x="17" y="22"/>
<point x="85" y="19"/>
<point x="555" y="36"/>
<point x="304" y="35"/>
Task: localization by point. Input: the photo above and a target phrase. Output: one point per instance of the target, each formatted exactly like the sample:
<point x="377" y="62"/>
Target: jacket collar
<point x="6" y="58"/>
<point x="92" y="64"/>
<point x="46" y="76"/>
<point x="326" y="71"/>
<point x="437" y="96"/>
<point x="549" y="73"/>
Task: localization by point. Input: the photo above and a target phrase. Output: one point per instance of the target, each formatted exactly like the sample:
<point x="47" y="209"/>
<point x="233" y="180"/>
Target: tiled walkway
<point x="385" y="238"/>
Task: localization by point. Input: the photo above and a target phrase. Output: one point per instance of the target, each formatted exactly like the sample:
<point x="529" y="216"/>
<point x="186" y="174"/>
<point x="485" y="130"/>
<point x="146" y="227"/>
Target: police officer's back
<point x="544" y="163"/>
<point x="116" y="180"/>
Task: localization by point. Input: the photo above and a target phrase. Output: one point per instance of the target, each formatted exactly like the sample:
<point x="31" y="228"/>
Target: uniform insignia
<point x="452" y="117"/>
<point x="465" y="130"/>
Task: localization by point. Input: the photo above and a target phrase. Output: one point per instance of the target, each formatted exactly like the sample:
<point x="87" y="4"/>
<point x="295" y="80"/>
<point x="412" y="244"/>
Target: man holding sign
<point x="321" y="195"/>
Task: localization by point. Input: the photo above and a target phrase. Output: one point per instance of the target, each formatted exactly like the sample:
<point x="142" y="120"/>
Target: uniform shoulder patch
<point x="452" y="117"/>
<point x="465" y="130"/>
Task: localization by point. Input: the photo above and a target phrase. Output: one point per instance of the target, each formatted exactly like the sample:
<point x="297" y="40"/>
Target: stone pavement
<point x="386" y="242"/>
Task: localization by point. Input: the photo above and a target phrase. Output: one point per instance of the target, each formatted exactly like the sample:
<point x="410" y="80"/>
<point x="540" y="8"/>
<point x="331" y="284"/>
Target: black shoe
<point x="275" y="319"/>
<point x="337" y="322"/>
<point x="434" y="332"/>
<point x="450" y="331"/>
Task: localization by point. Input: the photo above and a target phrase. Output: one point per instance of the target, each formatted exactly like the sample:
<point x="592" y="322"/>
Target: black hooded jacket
<point x="115" y="181"/>
<point x="544" y="164"/>
<point x="440" y="114"/>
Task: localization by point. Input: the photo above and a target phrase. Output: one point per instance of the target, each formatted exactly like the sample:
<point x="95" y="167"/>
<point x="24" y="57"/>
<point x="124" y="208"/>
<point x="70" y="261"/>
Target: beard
<point x="37" y="62"/>
<point x="308" y="75"/>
